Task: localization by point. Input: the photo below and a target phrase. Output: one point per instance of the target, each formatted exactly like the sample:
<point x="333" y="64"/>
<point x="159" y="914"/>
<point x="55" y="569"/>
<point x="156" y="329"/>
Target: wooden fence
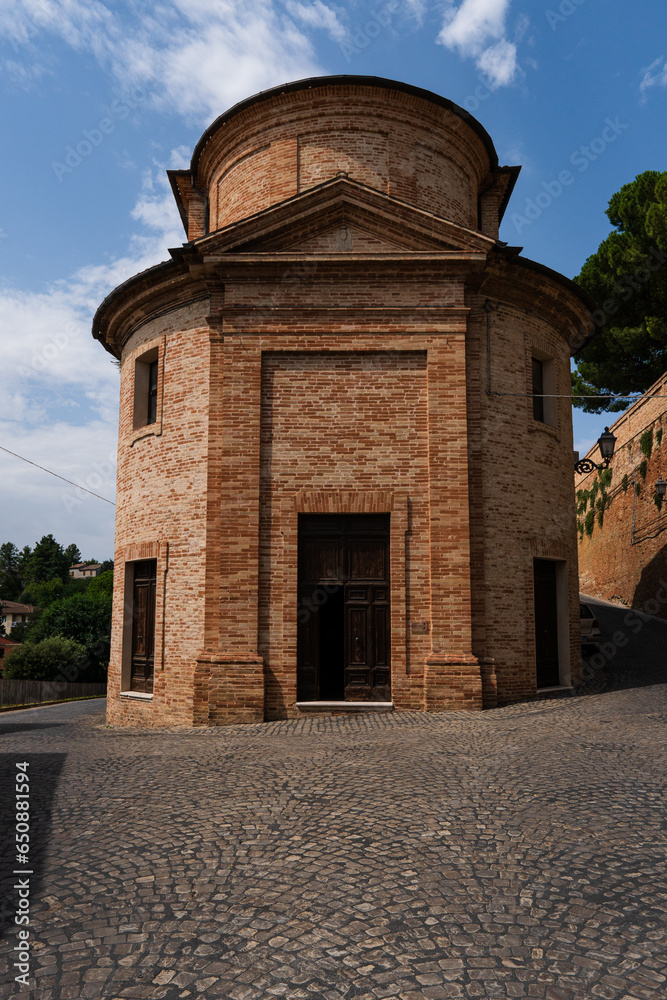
<point x="13" y="692"/>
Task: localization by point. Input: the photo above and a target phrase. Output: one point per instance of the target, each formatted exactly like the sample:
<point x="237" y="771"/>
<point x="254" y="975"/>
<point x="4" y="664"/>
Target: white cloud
<point x="498" y="62"/>
<point x="59" y="392"/>
<point x="85" y="455"/>
<point x="23" y="76"/>
<point x="654" y="75"/>
<point x="156" y="207"/>
<point x="318" y="15"/>
<point x="476" y="29"/>
<point x="193" y="56"/>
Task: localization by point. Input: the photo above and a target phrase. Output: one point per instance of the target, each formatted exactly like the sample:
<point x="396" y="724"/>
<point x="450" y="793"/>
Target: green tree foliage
<point x="42" y="595"/>
<point x="10" y="576"/>
<point x="54" y="658"/>
<point x="73" y="554"/>
<point x="627" y="276"/>
<point x="102" y="584"/>
<point x="47" y="561"/>
<point x="20" y="631"/>
<point x="85" y="618"/>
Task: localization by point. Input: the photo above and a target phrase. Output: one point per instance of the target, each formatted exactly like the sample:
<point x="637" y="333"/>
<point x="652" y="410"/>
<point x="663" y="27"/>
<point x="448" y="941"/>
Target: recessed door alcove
<point x="343" y="651"/>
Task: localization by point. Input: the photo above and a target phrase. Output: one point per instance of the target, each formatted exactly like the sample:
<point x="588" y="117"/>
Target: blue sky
<point x="576" y="85"/>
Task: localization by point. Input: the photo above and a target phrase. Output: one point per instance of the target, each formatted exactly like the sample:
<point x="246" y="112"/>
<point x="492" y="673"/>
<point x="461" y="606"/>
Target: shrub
<point x="55" y="658"/>
<point x="86" y="618"/>
<point x="43" y="595"/>
<point x="643" y="466"/>
<point x="102" y="584"/>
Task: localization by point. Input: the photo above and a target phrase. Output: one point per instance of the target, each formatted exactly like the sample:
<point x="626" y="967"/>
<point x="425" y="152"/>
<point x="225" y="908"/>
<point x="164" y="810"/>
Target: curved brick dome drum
<point x="345" y="447"/>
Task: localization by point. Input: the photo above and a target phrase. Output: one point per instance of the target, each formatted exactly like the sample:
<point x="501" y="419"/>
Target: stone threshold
<point x="142" y="695"/>
<point x="345" y="706"/>
<point x="554" y="692"/>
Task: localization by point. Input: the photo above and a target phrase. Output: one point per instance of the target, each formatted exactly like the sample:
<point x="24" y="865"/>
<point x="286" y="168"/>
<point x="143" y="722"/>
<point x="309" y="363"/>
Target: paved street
<point x="518" y="852"/>
<point x="632" y="650"/>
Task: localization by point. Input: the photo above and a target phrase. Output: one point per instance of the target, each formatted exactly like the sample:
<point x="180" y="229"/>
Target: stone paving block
<point x="570" y="908"/>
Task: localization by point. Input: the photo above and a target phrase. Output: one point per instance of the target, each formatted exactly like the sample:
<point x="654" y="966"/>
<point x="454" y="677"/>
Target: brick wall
<point x="161" y="513"/>
<point x="391" y="141"/>
<point x="346" y="376"/>
<point x="331" y="421"/>
<point x="619" y="561"/>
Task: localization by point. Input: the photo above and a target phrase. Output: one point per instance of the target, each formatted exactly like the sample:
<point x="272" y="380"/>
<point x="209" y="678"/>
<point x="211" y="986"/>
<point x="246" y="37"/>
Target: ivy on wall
<point x="646" y="444"/>
<point x="593" y="502"/>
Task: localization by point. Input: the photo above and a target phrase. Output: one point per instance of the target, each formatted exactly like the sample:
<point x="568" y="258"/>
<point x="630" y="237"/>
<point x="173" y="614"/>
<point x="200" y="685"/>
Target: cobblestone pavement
<point x="518" y="852"/>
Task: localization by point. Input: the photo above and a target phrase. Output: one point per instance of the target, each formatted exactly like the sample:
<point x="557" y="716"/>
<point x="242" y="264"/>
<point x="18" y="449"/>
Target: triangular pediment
<point x="342" y="216"/>
<point x="344" y="237"/>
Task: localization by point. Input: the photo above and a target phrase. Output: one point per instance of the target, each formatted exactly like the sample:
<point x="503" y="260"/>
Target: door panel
<point x="307" y="648"/>
<point x="366" y="559"/>
<point x="143" y="626"/>
<point x="546" y="623"/>
<point x="319" y="559"/>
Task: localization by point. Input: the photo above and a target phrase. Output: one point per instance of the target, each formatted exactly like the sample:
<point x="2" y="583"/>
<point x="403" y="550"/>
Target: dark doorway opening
<point x="332" y="647"/>
<point x="546" y="623"/>
<point x="343" y="651"/>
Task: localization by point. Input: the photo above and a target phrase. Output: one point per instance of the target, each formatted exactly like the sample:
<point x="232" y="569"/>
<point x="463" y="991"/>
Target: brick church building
<point x="344" y="469"/>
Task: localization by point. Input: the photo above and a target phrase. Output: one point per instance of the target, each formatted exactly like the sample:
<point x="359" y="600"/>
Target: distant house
<point x="13" y="613"/>
<point x="80" y="570"/>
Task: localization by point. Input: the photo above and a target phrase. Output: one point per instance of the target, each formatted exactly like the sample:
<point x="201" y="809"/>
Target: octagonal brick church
<point x="345" y="450"/>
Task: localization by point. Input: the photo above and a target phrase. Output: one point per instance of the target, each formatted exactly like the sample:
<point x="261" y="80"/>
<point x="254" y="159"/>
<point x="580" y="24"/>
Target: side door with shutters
<point x="143" y="626"/>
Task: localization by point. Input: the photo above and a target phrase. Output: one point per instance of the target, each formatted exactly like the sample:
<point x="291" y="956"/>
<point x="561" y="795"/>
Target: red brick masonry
<point x="346" y="336"/>
<point x="624" y="558"/>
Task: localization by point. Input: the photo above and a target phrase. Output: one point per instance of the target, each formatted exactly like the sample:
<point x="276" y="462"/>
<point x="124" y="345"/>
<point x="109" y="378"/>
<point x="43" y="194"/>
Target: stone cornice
<point x="525" y="283"/>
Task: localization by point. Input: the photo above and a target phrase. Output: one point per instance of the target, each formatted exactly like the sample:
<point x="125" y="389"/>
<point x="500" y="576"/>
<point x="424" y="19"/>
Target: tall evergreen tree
<point x="10" y="577"/>
<point x="627" y="276"/>
<point x="47" y="561"/>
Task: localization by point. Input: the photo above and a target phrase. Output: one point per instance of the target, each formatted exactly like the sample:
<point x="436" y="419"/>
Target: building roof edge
<point x="310" y="83"/>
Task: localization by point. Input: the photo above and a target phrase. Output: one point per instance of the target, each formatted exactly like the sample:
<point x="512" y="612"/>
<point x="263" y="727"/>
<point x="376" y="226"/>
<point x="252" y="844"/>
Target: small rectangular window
<point x="538" y="390"/>
<point x="146" y="385"/>
<point x="543" y="387"/>
<point x="152" y="392"/>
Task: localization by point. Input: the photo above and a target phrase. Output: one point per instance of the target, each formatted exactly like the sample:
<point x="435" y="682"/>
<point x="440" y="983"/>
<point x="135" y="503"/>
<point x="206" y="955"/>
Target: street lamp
<point x="660" y="487"/>
<point x="606" y="444"/>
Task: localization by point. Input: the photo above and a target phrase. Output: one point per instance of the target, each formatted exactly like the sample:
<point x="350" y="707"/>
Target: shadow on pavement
<point x="632" y="651"/>
<point x="43" y="771"/>
<point x="22" y="727"/>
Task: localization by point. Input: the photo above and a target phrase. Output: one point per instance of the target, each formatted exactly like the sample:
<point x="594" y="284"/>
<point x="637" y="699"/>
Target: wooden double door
<point x="343" y="648"/>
